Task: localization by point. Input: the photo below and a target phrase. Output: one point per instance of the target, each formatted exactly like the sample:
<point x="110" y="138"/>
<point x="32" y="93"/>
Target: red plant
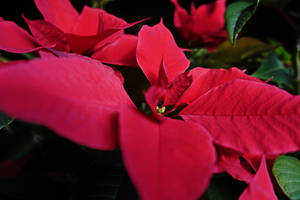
<point x="171" y="153"/>
<point x="204" y="24"/>
<point x="63" y="28"/>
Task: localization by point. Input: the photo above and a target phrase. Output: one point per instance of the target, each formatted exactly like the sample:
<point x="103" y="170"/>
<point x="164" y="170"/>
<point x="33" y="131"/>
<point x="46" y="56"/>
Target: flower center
<point x="160" y="110"/>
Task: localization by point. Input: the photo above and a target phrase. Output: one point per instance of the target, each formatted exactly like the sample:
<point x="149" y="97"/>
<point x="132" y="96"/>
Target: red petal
<point x="15" y="39"/>
<point x="75" y="96"/>
<point x="182" y="20"/>
<point x="193" y="8"/>
<point x="48" y="35"/>
<point x="156" y="45"/>
<point x="61" y="13"/>
<point x="209" y="18"/>
<point x="87" y="23"/>
<point x="120" y="52"/>
<point x="177" y="88"/>
<point x="249" y="117"/>
<point x="106" y="39"/>
<point x="110" y="21"/>
<point x="168" y="160"/>
<point x="230" y="161"/>
<point x="261" y="186"/>
<point x="46" y="53"/>
<point x="111" y="28"/>
<point x="91" y="19"/>
<point x="254" y="160"/>
<point x="205" y="79"/>
<point x="81" y="44"/>
<point x="96" y="28"/>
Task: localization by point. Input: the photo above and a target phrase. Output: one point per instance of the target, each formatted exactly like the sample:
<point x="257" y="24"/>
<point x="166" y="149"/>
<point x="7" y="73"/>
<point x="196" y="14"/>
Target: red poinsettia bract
<point x="204" y="24"/>
<point x="239" y="112"/>
<point x="63" y="28"/>
<point x="76" y="96"/>
<point x="170" y="154"/>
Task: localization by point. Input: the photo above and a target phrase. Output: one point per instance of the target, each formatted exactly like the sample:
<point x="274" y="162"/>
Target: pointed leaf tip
<point x="237" y="14"/>
<point x="156" y="45"/>
<point x="260" y="186"/>
<point x="60" y="13"/>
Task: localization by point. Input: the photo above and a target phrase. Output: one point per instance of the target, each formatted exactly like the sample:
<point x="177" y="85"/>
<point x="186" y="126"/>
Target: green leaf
<point x="3" y="59"/>
<point x="284" y="56"/>
<point x="236" y="16"/>
<point x="4" y="120"/>
<point x="227" y="55"/>
<point x="244" y="48"/>
<point x="99" y="3"/>
<point x="271" y="67"/>
<point x="28" y="56"/>
<point x="286" y="170"/>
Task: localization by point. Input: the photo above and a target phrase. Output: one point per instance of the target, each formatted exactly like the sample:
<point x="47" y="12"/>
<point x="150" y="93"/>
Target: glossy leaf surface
<point x="286" y="169"/>
<point x="237" y="14"/>
<point x="272" y="69"/>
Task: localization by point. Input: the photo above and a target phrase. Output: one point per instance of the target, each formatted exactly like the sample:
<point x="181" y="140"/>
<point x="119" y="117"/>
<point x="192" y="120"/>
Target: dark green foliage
<point x="237" y="14"/>
<point x="4" y="120"/>
<point x="271" y="68"/>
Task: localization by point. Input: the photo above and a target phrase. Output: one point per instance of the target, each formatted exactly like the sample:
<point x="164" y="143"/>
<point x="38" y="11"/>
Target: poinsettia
<point x="204" y="24"/>
<point x="79" y="101"/>
<point x="164" y="146"/>
<point x="237" y="110"/>
<point x="166" y="157"/>
<point x="79" y="98"/>
<point x="63" y="28"/>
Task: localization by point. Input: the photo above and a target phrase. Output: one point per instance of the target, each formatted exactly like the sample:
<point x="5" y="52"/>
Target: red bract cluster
<point x="93" y="31"/>
<point x="204" y="24"/>
<point x="203" y="121"/>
